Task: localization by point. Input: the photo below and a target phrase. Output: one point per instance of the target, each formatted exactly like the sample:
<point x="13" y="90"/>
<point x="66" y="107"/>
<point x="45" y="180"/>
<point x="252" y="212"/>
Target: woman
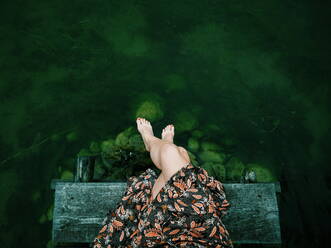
<point x="180" y="207"/>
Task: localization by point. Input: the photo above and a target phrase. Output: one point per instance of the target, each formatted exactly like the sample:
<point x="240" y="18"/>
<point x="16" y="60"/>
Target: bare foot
<point x="168" y="133"/>
<point x="146" y="131"/>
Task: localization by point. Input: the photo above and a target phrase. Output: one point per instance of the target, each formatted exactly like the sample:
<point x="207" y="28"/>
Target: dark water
<point x="252" y="72"/>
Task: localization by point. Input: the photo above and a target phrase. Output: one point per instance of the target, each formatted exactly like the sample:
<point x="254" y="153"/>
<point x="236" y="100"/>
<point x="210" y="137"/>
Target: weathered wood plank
<point x="79" y="209"/>
<point x="253" y="217"/>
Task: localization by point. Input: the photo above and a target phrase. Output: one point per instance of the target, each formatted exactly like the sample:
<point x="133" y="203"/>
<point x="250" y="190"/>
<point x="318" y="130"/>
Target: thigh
<point x="171" y="160"/>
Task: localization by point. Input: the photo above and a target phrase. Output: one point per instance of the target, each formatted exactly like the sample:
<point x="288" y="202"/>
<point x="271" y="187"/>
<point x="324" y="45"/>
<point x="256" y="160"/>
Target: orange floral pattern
<point x="186" y="212"/>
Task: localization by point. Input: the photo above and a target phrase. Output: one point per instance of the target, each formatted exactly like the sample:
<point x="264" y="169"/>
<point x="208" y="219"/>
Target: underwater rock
<point x="108" y="150"/>
<point x="216" y="170"/>
<point x="116" y="174"/>
<point x="193" y="144"/>
<point x="112" y="156"/>
<point x="234" y="169"/>
<point x="107" y="145"/>
<point x="150" y="110"/>
<point x="85" y="152"/>
<point x="211" y="156"/>
<point x="99" y="171"/>
<point x="67" y="175"/>
<point x="263" y="174"/>
<point x="209" y="146"/>
<point x="136" y="142"/>
<point x="122" y="139"/>
<point x="185" y="121"/>
<point x="94" y="147"/>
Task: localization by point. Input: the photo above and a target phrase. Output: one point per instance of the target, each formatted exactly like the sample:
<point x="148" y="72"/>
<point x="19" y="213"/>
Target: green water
<point x="251" y="76"/>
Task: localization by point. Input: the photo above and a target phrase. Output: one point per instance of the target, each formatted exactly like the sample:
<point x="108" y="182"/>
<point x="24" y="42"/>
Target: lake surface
<point x="249" y="77"/>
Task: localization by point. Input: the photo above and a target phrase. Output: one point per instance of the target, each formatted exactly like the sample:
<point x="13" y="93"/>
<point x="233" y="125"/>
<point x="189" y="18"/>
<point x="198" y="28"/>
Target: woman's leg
<point x="166" y="156"/>
<point x="156" y="148"/>
<point x="184" y="153"/>
<point x="172" y="160"/>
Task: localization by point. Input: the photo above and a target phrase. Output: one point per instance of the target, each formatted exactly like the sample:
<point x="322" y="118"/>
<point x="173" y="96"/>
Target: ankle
<point x="150" y="140"/>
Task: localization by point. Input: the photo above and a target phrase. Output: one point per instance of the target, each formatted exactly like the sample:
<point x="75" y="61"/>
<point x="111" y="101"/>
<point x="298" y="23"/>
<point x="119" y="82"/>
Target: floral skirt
<point x="187" y="212"/>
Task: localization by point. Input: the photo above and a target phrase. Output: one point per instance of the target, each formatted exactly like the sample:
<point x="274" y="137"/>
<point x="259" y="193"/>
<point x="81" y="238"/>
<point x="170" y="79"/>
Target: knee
<point x="182" y="149"/>
<point x="169" y="149"/>
<point x="184" y="152"/>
